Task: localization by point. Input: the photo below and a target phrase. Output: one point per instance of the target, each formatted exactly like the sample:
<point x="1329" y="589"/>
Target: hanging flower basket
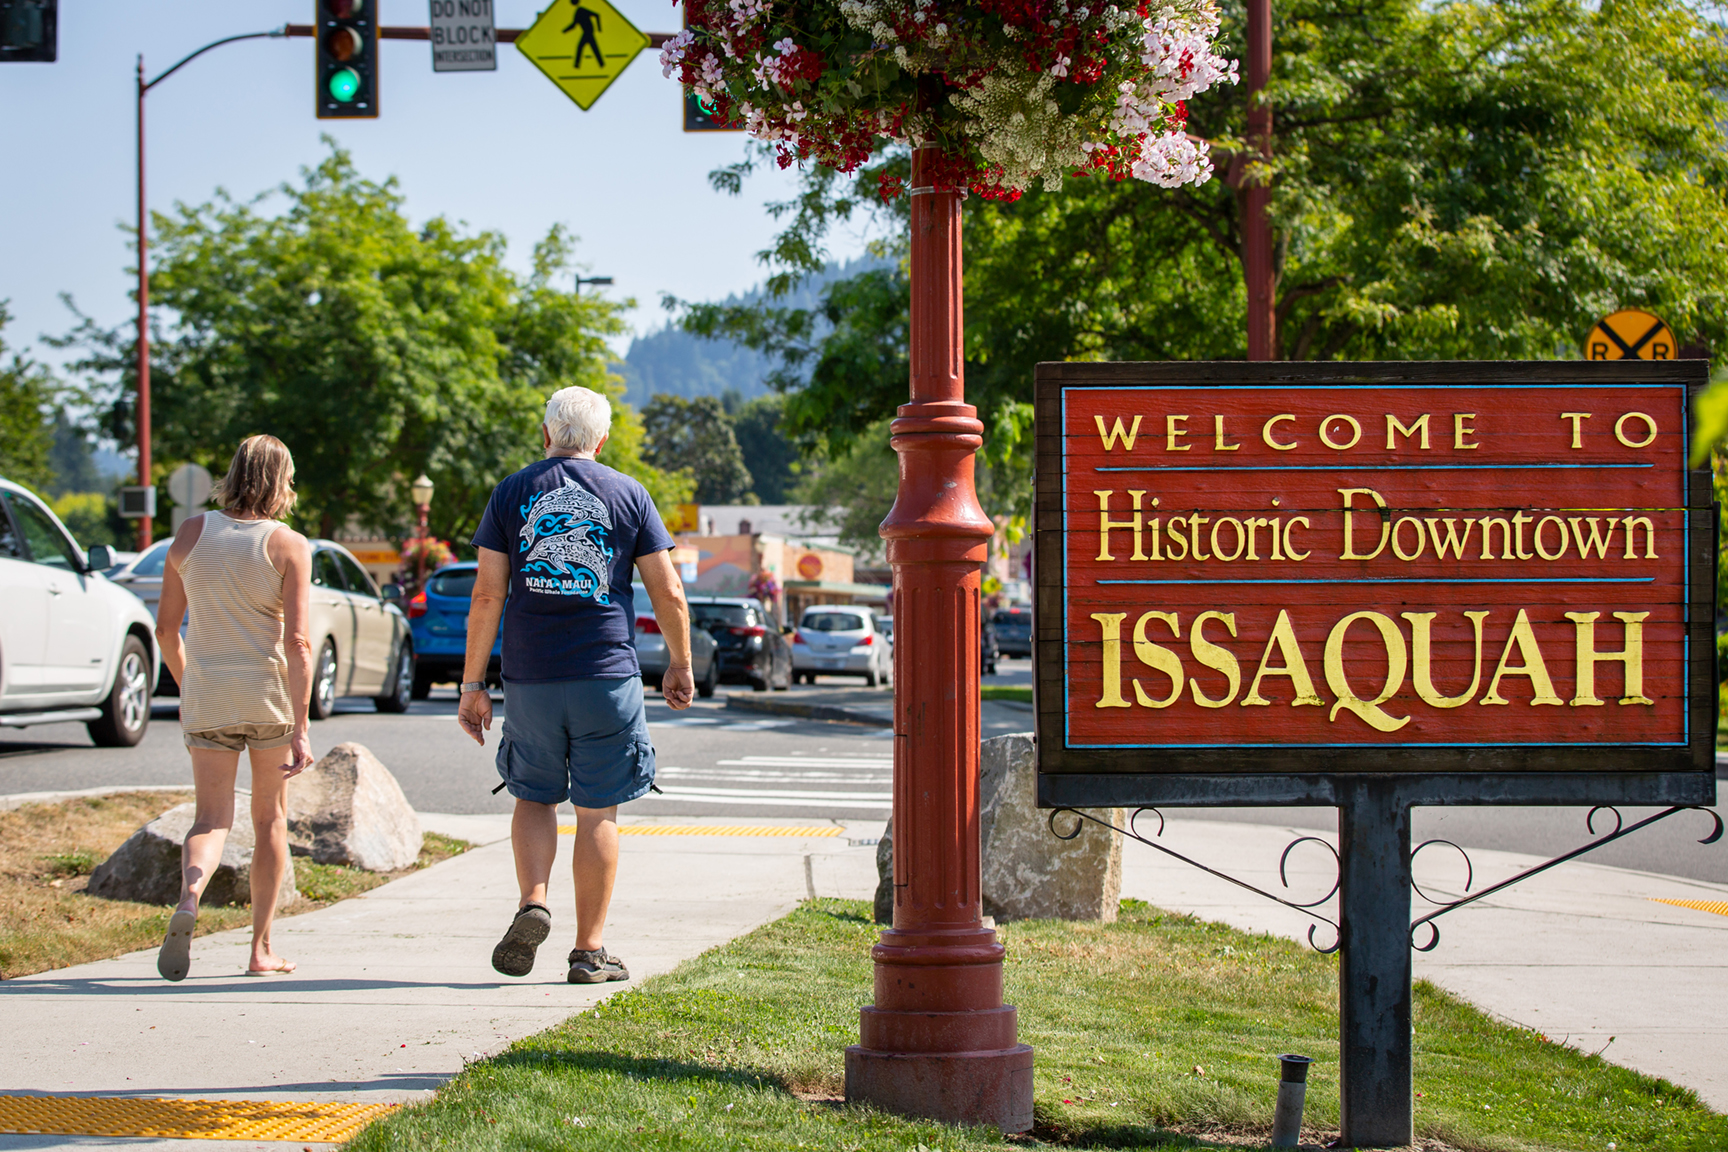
<point x="1010" y="91"/>
<point x="438" y="554"/>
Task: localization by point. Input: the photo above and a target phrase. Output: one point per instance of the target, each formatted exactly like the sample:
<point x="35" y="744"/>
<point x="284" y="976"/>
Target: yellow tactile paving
<point x="1720" y="907"/>
<point x="186" y="1119"/>
<point x="711" y="830"/>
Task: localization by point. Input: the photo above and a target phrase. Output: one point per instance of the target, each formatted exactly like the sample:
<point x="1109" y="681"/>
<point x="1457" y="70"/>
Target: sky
<point x="502" y="150"/>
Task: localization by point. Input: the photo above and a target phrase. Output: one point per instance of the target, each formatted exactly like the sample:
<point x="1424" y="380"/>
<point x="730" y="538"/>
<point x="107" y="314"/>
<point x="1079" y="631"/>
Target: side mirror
<point x="101" y="558"/>
<point x="392" y="593"/>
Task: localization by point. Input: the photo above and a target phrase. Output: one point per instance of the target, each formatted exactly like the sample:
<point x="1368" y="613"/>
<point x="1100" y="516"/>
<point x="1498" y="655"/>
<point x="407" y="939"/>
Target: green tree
<point x="373" y="349"/>
<point x="1475" y="179"/>
<point x="71" y="459"/>
<point x="773" y="458"/>
<point x="696" y="436"/>
<point x="26" y="429"/>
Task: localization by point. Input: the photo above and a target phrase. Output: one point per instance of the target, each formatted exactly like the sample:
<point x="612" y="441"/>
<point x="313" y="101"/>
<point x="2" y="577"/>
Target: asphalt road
<point x="712" y="761"/>
<point x="716" y="761"/>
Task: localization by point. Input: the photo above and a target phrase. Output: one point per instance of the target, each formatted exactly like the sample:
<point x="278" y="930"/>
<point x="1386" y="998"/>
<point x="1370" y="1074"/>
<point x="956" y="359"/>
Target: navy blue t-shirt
<point x="572" y="529"/>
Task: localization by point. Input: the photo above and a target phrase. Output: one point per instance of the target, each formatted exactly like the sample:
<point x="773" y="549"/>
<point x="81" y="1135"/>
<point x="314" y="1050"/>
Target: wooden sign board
<point x="1256" y="580"/>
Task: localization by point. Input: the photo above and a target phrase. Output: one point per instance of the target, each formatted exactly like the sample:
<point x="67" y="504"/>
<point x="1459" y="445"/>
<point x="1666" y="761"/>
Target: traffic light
<point x="27" y="30"/>
<point x="699" y="115"/>
<point x="347" y="59"/>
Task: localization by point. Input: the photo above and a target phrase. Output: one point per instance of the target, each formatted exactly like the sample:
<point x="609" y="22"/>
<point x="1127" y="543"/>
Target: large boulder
<point x="348" y="809"/>
<point x="147" y="867"/>
<point x="1030" y="874"/>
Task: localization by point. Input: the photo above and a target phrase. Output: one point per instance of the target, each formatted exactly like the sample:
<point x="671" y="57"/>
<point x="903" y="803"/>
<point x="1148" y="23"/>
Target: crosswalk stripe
<point x="784" y="777"/>
<point x="766" y="793"/>
<point x="810" y="762"/>
<point x="758" y="800"/>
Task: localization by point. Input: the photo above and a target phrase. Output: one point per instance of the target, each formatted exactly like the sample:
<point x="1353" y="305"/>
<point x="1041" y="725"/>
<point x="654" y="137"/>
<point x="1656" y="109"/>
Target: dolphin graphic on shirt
<point x="565" y="544"/>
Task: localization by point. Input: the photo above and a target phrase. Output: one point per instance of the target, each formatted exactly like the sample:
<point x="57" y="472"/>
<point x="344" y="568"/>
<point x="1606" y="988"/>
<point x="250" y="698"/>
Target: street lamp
<point x="143" y="421"/>
<point x="420" y="491"/>
<point x="595" y="280"/>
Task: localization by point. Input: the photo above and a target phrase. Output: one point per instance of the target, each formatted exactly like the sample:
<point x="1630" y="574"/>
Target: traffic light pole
<point x="145" y="526"/>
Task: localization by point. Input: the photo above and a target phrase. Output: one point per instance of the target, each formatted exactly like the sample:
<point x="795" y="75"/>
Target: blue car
<point x="438" y="614"/>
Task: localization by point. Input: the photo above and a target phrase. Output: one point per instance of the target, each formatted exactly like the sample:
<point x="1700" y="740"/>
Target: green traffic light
<point x="344" y="84"/>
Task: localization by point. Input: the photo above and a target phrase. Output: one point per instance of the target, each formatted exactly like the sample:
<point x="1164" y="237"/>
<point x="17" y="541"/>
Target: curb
<point x="798" y="708"/>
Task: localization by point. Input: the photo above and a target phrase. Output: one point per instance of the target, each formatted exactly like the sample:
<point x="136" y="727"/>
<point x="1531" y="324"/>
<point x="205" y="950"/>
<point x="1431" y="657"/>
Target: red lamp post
<point x="420" y="491"/>
<point x="938" y="1042"/>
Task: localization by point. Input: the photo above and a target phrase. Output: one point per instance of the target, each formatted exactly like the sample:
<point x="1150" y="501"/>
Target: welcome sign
<point x="1468" y="567"/>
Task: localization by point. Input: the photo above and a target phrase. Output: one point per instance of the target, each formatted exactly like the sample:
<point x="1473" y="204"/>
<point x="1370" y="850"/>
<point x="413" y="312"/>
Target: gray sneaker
<point x="514" y="955"/>
<point x="596" y="967"/>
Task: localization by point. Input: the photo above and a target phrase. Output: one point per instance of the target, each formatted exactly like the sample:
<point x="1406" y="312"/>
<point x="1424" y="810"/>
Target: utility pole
<point x="1256" y="228"/>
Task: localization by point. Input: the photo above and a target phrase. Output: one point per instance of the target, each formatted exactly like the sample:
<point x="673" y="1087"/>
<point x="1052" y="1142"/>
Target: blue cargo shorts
<point x="581" y="740"/>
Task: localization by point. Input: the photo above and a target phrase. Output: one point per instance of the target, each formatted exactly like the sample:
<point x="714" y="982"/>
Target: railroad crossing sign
<point x="1630" y="334"/>
<point x="582" y="46"/>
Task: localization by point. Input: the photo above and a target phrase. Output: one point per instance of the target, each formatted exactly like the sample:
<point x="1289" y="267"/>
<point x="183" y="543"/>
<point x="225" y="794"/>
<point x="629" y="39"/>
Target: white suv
<point x="73" y="646"/>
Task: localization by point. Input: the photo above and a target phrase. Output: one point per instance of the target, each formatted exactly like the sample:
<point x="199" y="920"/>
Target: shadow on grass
<point x="640" y="1068"/>
<point x="1047" y="1130"/>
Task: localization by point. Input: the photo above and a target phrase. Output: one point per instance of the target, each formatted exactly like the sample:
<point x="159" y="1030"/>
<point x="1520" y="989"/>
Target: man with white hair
<point x="560" y="537"/>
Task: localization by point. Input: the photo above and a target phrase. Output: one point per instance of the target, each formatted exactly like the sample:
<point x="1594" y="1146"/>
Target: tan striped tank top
<point x="236" y="672"/>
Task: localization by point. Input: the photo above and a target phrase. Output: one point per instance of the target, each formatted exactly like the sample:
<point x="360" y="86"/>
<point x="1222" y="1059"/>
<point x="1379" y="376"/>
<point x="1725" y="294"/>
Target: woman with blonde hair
<point x="245" y="673"/>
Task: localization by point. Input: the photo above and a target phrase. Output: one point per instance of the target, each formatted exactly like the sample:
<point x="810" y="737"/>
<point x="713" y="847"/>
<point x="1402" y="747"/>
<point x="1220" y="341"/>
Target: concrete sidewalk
<point x="395" y="989"/>
<point x="1585" y="954"/>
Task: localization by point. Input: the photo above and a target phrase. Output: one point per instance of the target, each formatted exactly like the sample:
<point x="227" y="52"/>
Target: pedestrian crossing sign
<point x="582" y="46"/>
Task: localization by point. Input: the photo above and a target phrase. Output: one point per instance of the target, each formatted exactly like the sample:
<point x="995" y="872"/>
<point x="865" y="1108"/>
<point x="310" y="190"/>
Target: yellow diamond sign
<point x="582" y="46"/>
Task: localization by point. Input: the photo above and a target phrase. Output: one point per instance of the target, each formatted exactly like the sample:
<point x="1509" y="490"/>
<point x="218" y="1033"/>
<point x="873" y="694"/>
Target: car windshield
<point x="150" y="564"/>
<point x="458" y="583"/>
<point x="710" y="615"/>
<point x="1008" y="616"/>
<point x="834" y="622"/>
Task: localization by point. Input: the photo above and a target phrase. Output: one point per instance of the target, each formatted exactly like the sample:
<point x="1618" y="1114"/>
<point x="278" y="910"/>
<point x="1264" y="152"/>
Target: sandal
<point x="596" y="967"/>
<point x="175" y="958"/>
<point x="514" y="955"/>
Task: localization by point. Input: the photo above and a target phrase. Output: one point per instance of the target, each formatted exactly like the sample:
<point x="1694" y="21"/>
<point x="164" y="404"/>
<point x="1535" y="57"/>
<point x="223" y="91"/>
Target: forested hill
<point x="673" y="361"/>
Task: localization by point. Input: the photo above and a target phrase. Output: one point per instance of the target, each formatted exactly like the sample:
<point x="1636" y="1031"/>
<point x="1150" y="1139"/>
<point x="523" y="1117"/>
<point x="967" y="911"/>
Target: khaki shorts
<point x="237" y="737"/>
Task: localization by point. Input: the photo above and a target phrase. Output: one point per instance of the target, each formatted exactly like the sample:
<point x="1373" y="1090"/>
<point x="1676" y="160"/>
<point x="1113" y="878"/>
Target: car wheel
<point x="401" y="687"/>
<point x="871" y="679"/>
<point x="650" y="682"/>
<point x="324" y="682"/>
<point x="126" y="711"/>
<point x="710" y="681"/>
<point x="422" y="682"/>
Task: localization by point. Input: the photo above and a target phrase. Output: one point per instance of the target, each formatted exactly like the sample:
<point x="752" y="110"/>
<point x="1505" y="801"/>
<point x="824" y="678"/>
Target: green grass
<point x="1158" y="1031"/>
<point x="1022" y="693"/>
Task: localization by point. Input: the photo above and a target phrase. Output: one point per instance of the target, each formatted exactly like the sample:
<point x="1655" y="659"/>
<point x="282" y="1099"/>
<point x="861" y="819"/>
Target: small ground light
<point x="1292" y="1094"/>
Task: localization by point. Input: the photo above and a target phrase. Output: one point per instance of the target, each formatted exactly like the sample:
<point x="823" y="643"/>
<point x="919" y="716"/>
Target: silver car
<point x="361" y="643"/>
<point x="651" y="651"/>
<point x="842" y="640"/>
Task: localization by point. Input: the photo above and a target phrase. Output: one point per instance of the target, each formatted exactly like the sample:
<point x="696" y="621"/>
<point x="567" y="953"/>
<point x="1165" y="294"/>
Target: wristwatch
<point x="474" y="686"/>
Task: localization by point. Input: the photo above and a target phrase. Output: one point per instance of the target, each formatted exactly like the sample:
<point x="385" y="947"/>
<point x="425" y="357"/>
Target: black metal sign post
<point x="1121" y="649"/>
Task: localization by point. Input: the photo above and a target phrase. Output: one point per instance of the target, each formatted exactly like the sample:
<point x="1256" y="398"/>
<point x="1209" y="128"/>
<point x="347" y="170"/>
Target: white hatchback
<point x="841" y="640"/>
<point x="73" y="645"/>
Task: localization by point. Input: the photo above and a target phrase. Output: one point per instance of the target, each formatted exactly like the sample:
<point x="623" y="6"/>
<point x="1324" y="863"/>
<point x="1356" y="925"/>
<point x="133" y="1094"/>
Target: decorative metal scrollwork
<point x="1307" y="908"/>
<point x="1621" y="829"/>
